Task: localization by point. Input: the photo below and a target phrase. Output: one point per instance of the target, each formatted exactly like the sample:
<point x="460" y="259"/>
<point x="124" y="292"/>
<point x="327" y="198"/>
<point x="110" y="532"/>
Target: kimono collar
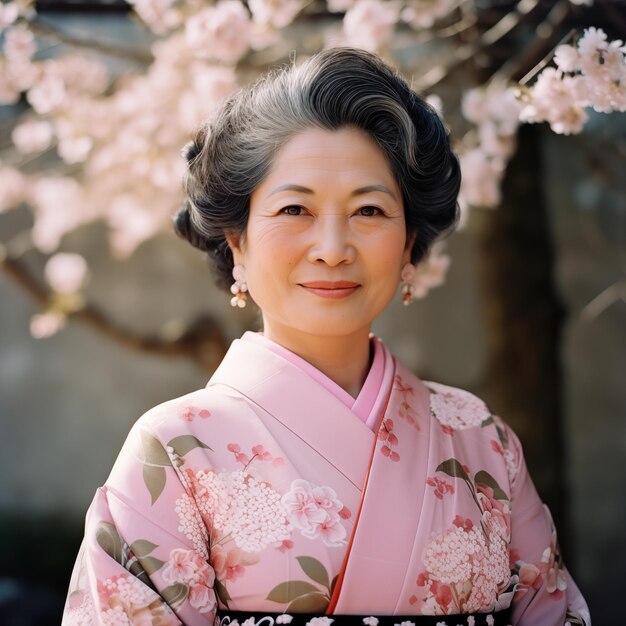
<point x="290" y="395"/>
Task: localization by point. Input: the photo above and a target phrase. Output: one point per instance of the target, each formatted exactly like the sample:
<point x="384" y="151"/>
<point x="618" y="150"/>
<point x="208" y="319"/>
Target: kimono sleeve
<point x="141" y="563"/>
<point x="545" y="592"/>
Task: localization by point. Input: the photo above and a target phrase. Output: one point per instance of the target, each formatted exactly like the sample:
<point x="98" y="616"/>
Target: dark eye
<point x="292" y="209"/>
<point x="370" y="211"/>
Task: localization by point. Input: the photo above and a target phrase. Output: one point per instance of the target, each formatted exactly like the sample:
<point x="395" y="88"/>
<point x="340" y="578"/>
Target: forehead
<point x="346" y="154"/>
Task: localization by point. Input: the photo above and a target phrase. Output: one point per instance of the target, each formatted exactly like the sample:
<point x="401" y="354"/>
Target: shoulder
<point x="457" y="408"/>
<point x="464" y="414"/>
<point x="201" y="409"/>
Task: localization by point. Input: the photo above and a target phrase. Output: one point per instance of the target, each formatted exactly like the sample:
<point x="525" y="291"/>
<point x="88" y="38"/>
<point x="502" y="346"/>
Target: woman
<point x="315" y="479"/>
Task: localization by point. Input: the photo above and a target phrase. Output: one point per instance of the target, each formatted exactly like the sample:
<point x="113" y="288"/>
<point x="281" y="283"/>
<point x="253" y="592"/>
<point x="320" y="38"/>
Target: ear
<point x="410" y="240"/>
<point x="235" y="243"/>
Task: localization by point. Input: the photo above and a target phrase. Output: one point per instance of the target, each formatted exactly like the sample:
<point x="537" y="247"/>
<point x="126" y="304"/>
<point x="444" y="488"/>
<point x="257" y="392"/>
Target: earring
<point x="407" y="278"/>
<point x="239" y="287"/>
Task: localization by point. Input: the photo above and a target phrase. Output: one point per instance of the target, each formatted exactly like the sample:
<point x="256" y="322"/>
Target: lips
<point x="327" y="284"/>
<point x="331" y="289"/>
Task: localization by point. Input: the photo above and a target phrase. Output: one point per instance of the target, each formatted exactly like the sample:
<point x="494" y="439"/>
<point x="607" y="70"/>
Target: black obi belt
<point x="261" y="618"/>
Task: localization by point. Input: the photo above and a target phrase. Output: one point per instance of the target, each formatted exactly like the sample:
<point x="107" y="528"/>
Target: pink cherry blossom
<point x="59" y="208"/>
<point x="481" y="178"/>
<point x="567" y="58"/>
<point x="219" y="32"/>
<point x="370" y="24"/>
<point x="19" y="42"/>
<point x="160" y="15"/>
<point x="9" y="12"/>
<point x="32" y="136"/>
<point x="277" y="13"/>
<point x="66" y="272"/>
<point x="46" y="324"/>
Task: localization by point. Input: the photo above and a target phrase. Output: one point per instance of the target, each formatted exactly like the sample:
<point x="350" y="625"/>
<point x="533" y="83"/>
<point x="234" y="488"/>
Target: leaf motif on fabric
<point x="152" y="450"/>
<point x="175" y="594"/>
<point x="453" y="468"/>
<point x="154" y="479"/>
<point x="186" y="443"/>
<point x="110" y="541"/>
<point x="142" y="571"/>
<point x="142" y="547"/>
<point x="221" y="592"/>
<point x="314" y="569"/>
<point x="333" y="583"/>
<point x="309" y="603"/>
<point x="290" y="590"/>
<point x="151" y="564"/>
<point x="487" y="480"/>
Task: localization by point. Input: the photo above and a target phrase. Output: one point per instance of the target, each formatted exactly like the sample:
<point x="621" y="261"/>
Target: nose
<point x="331" y="241"/>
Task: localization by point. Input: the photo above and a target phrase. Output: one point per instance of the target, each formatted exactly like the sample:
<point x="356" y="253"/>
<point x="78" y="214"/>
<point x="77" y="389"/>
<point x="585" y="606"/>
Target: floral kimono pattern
<point x="263" y="492"/>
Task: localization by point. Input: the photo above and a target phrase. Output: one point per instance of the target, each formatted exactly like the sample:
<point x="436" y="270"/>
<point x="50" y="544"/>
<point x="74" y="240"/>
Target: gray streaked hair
<point x="232" y="153"/>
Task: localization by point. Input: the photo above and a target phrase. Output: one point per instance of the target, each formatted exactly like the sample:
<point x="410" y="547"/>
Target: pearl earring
<point x="407" y="278"/>
<point x="239" y="287"/>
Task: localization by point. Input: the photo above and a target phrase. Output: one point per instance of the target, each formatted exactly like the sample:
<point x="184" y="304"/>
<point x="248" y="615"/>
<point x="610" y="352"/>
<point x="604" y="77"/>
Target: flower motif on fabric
<point x="441" y="487"/>
<point x="80" y="609"/>
<point x="157" y="457"/>
<point x="238" y="507"/>
<point x="189" y="577"/>
<point x="405" y="410"/>
<point x="389" y="440"/>
<point x="464" y="571"/>
<point x="229" y="564"/>
<point x="191" y="525"/>
<point x="548" y="570"/>
<point x="456" y="408"/>
<point x="316" y="511"/>
<point x="188" y="413"/>
<point x="258" y="453"/>
<point x="126" y="600"/>
<point x="467" y="565"/>
<point x="503" y="446"/>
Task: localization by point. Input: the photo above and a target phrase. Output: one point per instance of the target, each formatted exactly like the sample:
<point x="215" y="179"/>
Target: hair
<point x="232" y="153"/>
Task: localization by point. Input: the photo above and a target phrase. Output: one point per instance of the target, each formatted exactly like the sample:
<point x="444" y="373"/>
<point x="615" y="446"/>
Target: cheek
<point x="271" y="258"/>
<point x="387" y="254"/>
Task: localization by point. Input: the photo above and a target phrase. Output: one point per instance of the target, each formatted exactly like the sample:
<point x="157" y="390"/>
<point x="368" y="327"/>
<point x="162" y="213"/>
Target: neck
<point x="345" y="359"/>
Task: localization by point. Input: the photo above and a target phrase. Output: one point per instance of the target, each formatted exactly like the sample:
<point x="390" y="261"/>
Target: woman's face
<point x="326" y="236"/>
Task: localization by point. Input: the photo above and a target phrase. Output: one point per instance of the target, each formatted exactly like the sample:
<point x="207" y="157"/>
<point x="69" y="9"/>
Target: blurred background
<point x="105" y="313"/>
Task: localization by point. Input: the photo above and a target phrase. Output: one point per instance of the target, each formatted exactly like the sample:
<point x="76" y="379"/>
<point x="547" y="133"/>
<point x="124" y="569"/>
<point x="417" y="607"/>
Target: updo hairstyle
<point x="231" y="154"/>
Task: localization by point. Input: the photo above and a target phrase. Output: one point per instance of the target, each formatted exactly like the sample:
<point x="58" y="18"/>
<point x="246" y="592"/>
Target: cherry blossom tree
<point x="116" y="139"/>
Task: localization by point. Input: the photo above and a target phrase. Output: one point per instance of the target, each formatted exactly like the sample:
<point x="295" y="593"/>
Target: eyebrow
<point x="356" y="192"/>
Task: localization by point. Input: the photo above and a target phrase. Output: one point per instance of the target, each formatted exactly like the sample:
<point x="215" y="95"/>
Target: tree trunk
<point x="524" y="317"/>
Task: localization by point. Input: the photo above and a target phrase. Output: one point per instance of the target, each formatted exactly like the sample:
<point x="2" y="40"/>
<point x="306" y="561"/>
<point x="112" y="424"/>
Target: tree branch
<point x="202" y="342"/>
<point x="44" y="29"/>
<point x="491" y="36"/>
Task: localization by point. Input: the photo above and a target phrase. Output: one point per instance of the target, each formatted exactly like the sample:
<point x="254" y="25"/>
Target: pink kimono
<point x="266" y="492"/>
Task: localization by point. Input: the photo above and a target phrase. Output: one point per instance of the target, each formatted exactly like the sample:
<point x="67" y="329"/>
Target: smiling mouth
<point x="331" y="290"/>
